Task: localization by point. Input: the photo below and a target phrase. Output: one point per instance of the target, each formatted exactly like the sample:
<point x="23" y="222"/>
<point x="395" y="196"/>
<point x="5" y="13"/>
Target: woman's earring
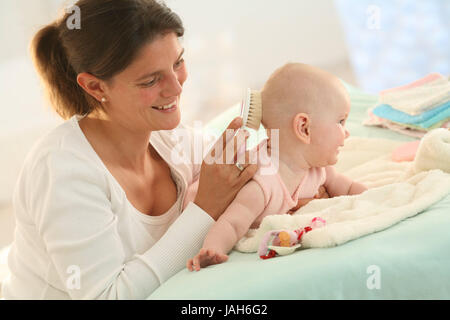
<point x="103" y="99"/>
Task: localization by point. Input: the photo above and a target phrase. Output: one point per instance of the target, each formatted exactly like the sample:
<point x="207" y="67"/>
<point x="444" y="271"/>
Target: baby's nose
<point x="347" y="134"/>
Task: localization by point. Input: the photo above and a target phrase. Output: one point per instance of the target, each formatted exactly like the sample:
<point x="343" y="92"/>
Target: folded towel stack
<point x="415" y="108"/>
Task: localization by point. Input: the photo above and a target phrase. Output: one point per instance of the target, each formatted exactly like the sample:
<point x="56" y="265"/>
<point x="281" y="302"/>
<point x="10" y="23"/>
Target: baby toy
<point x="283" y="242"/>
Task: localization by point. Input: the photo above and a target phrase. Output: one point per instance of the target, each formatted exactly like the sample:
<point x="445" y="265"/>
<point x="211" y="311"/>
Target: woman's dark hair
<point x="110" y="36"/>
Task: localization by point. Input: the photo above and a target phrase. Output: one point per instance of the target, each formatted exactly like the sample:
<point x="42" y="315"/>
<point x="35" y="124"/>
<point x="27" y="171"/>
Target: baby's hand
<point x="321" y="194"/>
<point x="204" y="258"/>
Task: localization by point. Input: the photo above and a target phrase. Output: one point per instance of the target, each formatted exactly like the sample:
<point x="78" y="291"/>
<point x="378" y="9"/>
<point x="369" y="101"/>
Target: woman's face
<point x="153" y="81"/>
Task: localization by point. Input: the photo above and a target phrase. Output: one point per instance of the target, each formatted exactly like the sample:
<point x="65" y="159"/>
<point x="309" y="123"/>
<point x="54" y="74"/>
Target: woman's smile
<point x="171" y="107"/>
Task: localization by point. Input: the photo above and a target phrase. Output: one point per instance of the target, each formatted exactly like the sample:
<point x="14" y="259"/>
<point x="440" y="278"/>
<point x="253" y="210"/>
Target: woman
<point x="98" y="202"/>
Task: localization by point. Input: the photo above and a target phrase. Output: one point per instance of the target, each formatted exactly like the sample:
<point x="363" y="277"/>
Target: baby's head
<point x="310" y="107"/>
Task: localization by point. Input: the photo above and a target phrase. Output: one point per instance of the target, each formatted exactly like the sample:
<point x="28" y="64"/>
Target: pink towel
<point x="419" y="96"/>
<point x="406" y="152"/>
<point x="429" y="78"/>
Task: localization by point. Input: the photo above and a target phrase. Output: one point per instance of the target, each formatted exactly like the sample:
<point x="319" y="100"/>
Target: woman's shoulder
<point x="60" y="162"/>
<point x="65" y="139"/>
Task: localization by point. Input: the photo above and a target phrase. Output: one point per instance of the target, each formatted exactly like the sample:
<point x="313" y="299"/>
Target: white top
<point x="78" y="237"/>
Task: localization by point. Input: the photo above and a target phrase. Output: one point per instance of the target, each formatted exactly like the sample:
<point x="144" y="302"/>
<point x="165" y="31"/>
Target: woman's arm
<point x="71" y="206"/>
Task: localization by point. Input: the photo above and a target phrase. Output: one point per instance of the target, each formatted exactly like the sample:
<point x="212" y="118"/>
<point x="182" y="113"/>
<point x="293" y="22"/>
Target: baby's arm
<point x="338" y="185"/>
<point x="230" y="227"/>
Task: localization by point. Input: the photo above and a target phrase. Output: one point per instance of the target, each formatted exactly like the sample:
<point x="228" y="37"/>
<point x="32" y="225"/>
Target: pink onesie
<point x="277" y="199"/>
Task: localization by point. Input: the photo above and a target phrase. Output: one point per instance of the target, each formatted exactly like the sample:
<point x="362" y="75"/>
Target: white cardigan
<point x="78" y="237"/>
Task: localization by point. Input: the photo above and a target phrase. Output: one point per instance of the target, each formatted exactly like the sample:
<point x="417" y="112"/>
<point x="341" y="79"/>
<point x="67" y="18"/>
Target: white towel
<point x="434" y="151"/>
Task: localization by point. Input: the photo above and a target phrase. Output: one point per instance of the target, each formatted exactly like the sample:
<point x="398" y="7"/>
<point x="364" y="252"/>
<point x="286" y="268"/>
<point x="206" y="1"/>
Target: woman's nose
<point x="173" y="86"/>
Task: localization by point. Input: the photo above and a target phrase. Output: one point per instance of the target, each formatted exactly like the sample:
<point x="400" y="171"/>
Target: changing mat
<point x="410" y="258"/>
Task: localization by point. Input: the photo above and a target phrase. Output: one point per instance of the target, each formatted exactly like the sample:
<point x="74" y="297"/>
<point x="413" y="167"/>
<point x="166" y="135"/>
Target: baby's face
<point x="328" y="130"/>
<point x="298" y="89"/>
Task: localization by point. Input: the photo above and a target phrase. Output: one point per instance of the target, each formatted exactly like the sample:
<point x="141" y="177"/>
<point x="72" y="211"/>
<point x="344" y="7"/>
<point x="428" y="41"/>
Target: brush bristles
<point x="254" y="110"/>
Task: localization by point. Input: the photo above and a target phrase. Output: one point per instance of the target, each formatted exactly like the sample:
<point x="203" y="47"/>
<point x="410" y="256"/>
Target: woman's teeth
<point x="168" y="106"/>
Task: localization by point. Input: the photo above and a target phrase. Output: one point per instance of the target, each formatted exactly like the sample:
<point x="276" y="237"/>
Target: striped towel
<point x="424" y="120"/>
<point x="419" y="96"/>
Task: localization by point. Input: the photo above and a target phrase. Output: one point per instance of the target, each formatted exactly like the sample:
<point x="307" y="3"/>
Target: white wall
<point x="18" y="21"/>
<point x="235" y="44"/>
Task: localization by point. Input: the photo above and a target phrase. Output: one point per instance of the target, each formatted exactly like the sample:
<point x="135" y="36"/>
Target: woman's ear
<point x="91" y="85"/>
<point x="302" y="127"/>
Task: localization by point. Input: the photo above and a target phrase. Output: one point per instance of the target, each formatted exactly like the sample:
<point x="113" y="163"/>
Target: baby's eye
<point x="342" y="122"/>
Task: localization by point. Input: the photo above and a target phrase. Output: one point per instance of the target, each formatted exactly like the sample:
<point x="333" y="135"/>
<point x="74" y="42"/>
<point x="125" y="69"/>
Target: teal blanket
<point x="410" y="260"/>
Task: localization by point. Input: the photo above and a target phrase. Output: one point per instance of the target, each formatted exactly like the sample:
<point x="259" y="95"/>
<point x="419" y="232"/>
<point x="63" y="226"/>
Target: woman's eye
<point x="179" y="63"/>
<point x="150" y="83"/>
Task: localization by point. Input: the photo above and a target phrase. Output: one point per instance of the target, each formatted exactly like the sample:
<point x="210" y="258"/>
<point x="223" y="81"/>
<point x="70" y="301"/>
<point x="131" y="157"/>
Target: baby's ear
<point x="301" y="124"/>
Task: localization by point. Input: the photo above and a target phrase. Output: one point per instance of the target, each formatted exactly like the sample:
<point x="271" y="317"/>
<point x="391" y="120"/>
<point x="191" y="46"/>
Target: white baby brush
<point x="251" y="114"/>
<point x="251" y="109"/>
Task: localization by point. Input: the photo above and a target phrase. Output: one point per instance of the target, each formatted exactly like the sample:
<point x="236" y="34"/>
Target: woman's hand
<point x="220" y="182"/>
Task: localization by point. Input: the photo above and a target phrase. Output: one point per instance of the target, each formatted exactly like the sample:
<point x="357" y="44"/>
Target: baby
<point x="309" y="107"/>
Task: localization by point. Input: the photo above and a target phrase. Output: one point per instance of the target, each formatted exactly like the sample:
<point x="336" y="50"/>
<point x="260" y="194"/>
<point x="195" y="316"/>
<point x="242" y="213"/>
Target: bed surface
<point x="411" y="258"/>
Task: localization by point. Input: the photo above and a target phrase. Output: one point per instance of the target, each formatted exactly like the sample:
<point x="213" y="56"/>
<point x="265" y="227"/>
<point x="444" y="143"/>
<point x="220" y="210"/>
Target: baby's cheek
<point x="339" y="136"/>
<point x="344" y="131"/>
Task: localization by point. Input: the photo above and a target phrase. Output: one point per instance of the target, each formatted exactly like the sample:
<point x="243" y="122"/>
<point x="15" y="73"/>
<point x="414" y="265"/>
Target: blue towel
<point x="424" y="120"/>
